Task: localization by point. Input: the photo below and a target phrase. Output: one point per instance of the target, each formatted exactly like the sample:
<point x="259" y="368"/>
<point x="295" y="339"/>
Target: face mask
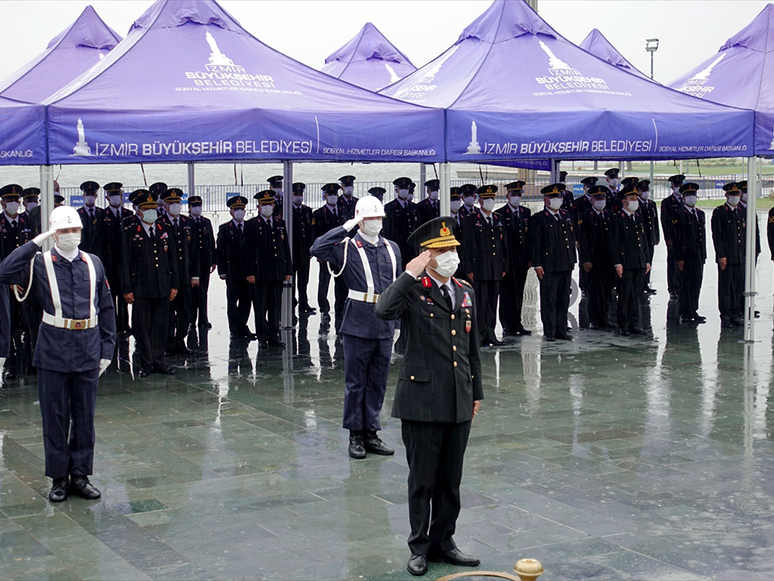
<point x="90" y="200"/>
<point x="174" y="209"/>
<point x="447" y="263"/>
<point x="348" y="190"/>
<point x="149" y="216"/>
<point x="676" y="190"/>
<point x="278" y="192"/>
<point x="555" y="203"/>
<point x="116" y="201"/>
<point x="68" y="242"/>
<point x="433" y="195"/>
<point x="239" y="215"/>
<point x="12" y="208"/>
<point x="514" y="201"/>
<point x="645" y="195"/>
<point x="403" y="194"/>
<point x="614" y="182"/>
<point x="455" y="205"/>
<point x="599" y="205"/>
<point x="469" y="201"/>
<point x="690" y="201"/>
<point x="332" y="200"/>
<point x="733" y="200"/>
<point x="31" y="206"/>
<point x="744" y="197"/>
<point x="371" y="227"/>
<point x="633" y="205"/>
<point x="298" y="200"/>
<point x="410" y="197"/>
<point x="196" y="211"/>
<point x="267" y="210"/>
<point x="488" y="204"/>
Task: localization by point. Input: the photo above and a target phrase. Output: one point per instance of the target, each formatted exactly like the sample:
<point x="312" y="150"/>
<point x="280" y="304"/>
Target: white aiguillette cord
<point x="29" y="283"/>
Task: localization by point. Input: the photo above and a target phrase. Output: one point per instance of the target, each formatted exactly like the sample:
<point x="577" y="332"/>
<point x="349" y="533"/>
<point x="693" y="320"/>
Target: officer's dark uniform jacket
<point x="690" y="237"/>
<point x="552" y="241"/>
<point x="728" y="233"/>
<point x="628" y="240"/>
<point x="187" y="252"/>
<point x="440" y="376"/>
<point x="91" y="235"/>
<point x="594" y="234"/>
<point x="150" y="269"/>
<point x="484" y="247"/>
<point x="400" y="221"/>
<point x="302" y="234"/>
<point x="5" y="321"/>
<point x="232" y="252"/>
<point x="516" y="233"/>
<point x="428" y="209"/>
<point x="580" y="206"/>
<point x="649" y="215"/>
<point x="61" y="349"/>
<point x="11" y="239"/>
<point x="324" y="220"/>
<point x="112" y="241"/>
<point x="347" y="206"/>
<point x="358" y="314"/>
<point x="204" y="243"/>
<point x="268" y="249"/>
<point x="671" y="208"/>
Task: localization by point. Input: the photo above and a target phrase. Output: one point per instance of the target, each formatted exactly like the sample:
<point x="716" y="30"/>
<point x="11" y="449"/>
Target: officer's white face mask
<point x="555" y="203"/>
<point x="332" y="200"/>
<point x="488" y="204"/>
<point x="31" y="206"/>
<point x="69" y="241"/>
<point x="455" y="205"/>
<point x="613" y="182"/>
<point x="174" y="209"/>
<point x="676" y="190"/>
<point x="447" y="263"/>
<point x="433" y="195"/>
<point x="403" y="194"/>
<point x="116" y="200"/>
<point x="277" y="192"/>
<point x="469" y="201"/>
<point x="645" y="195"/>
<point x="410" y="197"/>
<point x="149" y="216"/>
<point x="12" y="208"/>
<point x="633" y="205"/>
<point x="599" y="205"/>
<point x="239" y="215"/>
<point x="690" y="200"/>
<point x="371" y="227"/>
<point x="196" y="211"/>
<point x="298" y="200"/>
<point x="348" y="190"/>
<point x="267" y="210"/>
<point x="514" y="201"/>
<point x="733" y="200"/>
<point x="744" y="197"/>
<point x="89" y="201"/>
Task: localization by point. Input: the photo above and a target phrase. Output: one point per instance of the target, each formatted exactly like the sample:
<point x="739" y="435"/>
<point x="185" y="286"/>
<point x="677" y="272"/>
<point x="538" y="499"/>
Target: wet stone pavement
<point x="605" y="458"/>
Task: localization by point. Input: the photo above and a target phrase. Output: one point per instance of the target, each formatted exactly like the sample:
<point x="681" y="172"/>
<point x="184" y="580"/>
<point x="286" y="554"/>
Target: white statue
<point x="217" y="57"/>
<point x="704" y="75"/>
<point x="474" y="147"/>
<point x="81" y="148"/>
<point x="553" y="61"/>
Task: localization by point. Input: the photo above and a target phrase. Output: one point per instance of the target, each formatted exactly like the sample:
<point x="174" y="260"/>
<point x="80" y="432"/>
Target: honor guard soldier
<point x="302" y="242"/>
<point x="207" y="261"/>
<point x="552" y="243"/>
<point x="401" y="219"/>
<point x="91" y="218"/>
<point x="347" y="201"/>
<point x="468" y="195"/>
<point x="233" y="256"/>
<point x="629" y="248"/>
<point x="368" y="264"/>
<point x="515" y="219"/>
<point x="596" y="260"/>
<point x="728" y="238"/>
<point x="671" y="210"/>
<point x="690" y="253"/>
<point x="158" y="189"/>
<point x="649" y="213"/>
<point x="378" y="193"/>
<point x="268" y="266"/>
<point x="31" y="201"/>
<point x="113" y="223"/>
<point x="276" y="186"/>
<point x="187" y="270"/>
<point x="149" y="282"/>
<point x="583" y="204"/>
<point x="76" y="342"/>
<point x="439" y="389"/>
<point x="485" y="260"/>
<point x="430" y="207"/>
<point x="325" y="219"/>
<point x="613" y="181"/>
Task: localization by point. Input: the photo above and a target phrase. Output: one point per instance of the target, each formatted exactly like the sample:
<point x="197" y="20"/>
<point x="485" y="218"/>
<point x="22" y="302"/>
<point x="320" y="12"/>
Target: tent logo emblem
<point x="81" y="147"/>
<point x="473" y="147"/>
<point x="416" y="91"/>
<point x="217" y="58"/>
<point x="696" y="85"/>
<point x="563" y="78"/>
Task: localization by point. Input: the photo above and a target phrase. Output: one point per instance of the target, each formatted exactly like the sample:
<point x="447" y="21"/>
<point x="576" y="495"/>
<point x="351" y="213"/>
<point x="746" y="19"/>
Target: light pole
<point x="651" y="46"/>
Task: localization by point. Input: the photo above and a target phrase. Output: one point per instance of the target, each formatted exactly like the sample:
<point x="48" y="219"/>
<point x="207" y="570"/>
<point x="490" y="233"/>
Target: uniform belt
<point x="72" y="324"/>
<point x="363" y="297"/>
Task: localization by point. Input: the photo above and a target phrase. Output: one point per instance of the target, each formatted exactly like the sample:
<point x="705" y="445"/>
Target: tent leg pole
<point x="753" y="190"/>
<point x="555" y="171"/>
<point x="422" y="180"/>
<point x="445" y="194"/>
<point x="287" y="213"/>
<point x="191" y="179"/>
<point x="46" y="199"/>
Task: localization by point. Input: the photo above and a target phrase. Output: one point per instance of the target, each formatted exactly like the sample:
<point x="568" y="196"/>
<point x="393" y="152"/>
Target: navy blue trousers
<point x="67" y="404"/>
<point x="366" y="366"/>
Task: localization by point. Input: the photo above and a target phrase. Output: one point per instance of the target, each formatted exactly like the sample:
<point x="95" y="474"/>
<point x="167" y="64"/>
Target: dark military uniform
<point x="728" y="238"/>
<point x="516" y="226"/>
<point x="629" y="248"/>
<point x="204" y="242"/>
<point x="649" y="212"/>
<point x="276" y="182"/>
<point x="438" y="383"/>
<point x="400" y="222"/>
<point x="347" y="206"/>
<point x="429" y="208"/>
<point x="324" y="219"/>
<point x="92" y="238"/>
<point x="690" y="247"/>
<point x="302" y="242"/>
<point x="232" y="265"/>
<point x="593" y="232"/>
<point x="112" y="229"/>
<point x="671" y="209"/>
<point x="5" y="323"/>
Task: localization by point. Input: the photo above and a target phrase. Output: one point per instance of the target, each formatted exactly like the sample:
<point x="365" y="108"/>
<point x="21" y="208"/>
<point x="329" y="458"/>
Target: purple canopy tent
<point x="22" y="133"/>
<point x="596" y="43"/>
<point x="369" y="60"/>
<point x="75" y="50"/>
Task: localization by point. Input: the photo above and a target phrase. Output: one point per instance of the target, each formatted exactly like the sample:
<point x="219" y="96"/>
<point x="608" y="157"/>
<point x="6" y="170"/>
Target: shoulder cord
<point x="344" y="262"/>
<point x="29" y="283"/>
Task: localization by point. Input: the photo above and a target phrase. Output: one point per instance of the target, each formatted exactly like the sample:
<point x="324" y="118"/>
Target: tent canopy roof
<point x="596" y="44"/>
<point x="758" y="35"/>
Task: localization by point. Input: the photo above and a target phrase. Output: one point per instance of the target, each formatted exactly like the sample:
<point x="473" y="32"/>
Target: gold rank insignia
<point x="443" y="232"/>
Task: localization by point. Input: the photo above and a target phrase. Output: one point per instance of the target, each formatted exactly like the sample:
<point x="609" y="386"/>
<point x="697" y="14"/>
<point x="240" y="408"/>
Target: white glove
<point x="103" y="365"/>
<point x="350" y="224"/>
<point x="41" y="238"/>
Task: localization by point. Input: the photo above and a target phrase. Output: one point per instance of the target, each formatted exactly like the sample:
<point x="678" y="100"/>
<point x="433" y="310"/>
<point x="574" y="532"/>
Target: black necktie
<point x="446" y="296"/>
<point x="150" y="233"/>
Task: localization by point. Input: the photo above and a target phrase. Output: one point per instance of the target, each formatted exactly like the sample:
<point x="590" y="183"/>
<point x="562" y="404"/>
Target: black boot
<point x="58" y="491"/>
<point x="356" y="447"/>
<point x="81" y="486"/>
<point x="374" y="445"/>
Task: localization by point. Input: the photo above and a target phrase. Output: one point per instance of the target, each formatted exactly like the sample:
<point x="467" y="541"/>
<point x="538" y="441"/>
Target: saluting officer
<point x="515" y="219"/>
<point x="149" y="282"/>
<point x="207" y="261"/>
<point x="649" y="213"/>
<point x="596" y="258"/>
<point x="629" y="248"/>
<point x="690" y="252"/>
<point x="91" y="217"/>
<point x="430" y="207"/>
<point x="468" y="195"/>
<point x="302" y="242"/>
<point x="112" y="228"/>
<point x="401" y="219"/>
<point x="485" y="260"/>
<point x="671" y="210"/>
<point x="370" y="263"/>
<point x="347" y="201"/>
<point x="324" y="219"/>
<point x="187" y="270"/>
<point x="233" y="255"/>
<point x="75" y="346"/>
<point x="552" y="241"/>
<point x="277" y="187"/>
<point x="439" y="389"/>
<point x="268" y="267"/>
<point x="728" y="238"/>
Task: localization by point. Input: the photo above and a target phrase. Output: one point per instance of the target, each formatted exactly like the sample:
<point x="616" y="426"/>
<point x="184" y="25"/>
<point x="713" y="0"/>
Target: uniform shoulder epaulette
<point x="461" y="282"/>
<point x="426" y="282"/>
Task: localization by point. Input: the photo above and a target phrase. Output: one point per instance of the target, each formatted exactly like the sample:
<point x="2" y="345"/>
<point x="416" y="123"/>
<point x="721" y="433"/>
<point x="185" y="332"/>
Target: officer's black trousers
<point x="434" y="451"/>
<point x="151" y="317"/>
<point x="67" y="404"/>
<point x="121" y="308"/>
<point x="301" y="279"/>
<point x="649" y="256"/>
<point x="366" y="367"/>
<point x="690" y="288"/>
<point x="629" y="294"/>
<point x="599" y="291"/>
<point x="267" y="304"/>
<point x="512" y="298"/>
<point x="179" y="317"/>
<point x="674" y="276"/>
<point x="238" y="300"/>
<point x="199" y="297"/>
<point x="339" y="291"/>
<point x="487" y="292"/>
<point x="554" y="302"/>
<point x="731" y="290"/>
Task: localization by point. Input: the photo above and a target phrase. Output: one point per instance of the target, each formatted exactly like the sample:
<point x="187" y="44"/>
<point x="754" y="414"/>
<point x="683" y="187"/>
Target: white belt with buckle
<point x="72" y="324"/>
<point x="363" y="297"/>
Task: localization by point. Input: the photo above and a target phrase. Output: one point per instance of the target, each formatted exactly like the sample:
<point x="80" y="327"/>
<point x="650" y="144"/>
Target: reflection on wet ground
<point x="605" y="458"/>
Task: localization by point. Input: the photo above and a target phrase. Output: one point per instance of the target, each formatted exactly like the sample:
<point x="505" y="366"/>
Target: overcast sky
<point x="309" y="30"/>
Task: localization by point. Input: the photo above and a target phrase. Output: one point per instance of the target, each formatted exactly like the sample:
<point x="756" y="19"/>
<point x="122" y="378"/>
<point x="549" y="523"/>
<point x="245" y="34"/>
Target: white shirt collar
<point x="69" y="256"/>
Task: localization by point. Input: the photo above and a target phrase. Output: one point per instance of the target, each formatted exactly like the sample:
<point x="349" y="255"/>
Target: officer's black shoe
<point x="624" y="331"/>
<point x="523" y="331"/>
<point x="455" y="557"/>
<point x="672" y="296"/>
<point x="650" y="291"/>
<point x="164" y="369"/>
<point x="698" y="318"/>
<point x="550" y="338"/>
<point x="496" y="342"/>
<point x="205" y="325"/>
<point x="307" y="310"/>
<point x="146" y="370"/>
<point x="567" y="337"/>
<point x="637" y="330"/>
<point x="356" y="445"/>
<point x="686" y="319"/>
<point x="276" y="343"/>
<point x="58" y="492"/>
<point x="81" y="486"/>
<point x="417" y="565"/>
<point x="374" y="444"/>
<point x="10" y="374"/>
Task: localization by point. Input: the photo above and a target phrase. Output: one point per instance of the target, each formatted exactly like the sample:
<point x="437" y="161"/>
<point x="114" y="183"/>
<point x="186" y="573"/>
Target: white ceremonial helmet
<point x="369" y="207"/>
<point x="64" y="217"/>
